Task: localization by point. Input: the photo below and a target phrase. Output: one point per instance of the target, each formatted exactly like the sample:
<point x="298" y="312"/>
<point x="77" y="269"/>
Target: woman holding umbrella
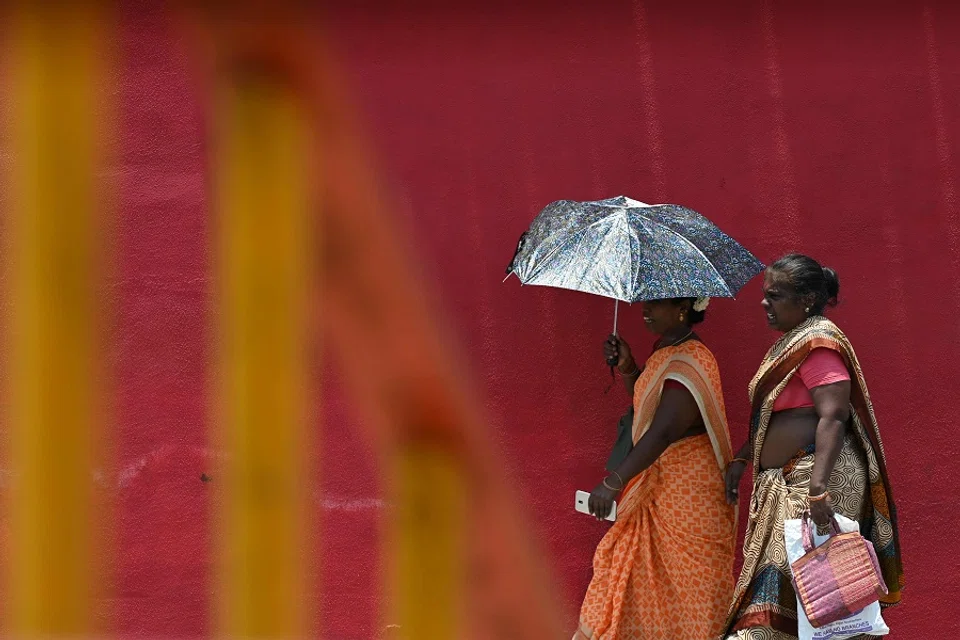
<point x="664" y="569"/>
<point x="814" y="446"/>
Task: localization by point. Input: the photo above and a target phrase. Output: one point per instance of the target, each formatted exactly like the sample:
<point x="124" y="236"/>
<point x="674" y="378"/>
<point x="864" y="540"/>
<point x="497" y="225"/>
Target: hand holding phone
<point x="582" y="504"/>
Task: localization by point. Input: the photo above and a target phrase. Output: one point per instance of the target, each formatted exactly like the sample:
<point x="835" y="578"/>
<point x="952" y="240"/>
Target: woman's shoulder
<point x="697" y="350"/>
<point x="694" y="360"/>
<point x="822" y="361"/>
<point x="826" y="327"/>
<point x="824" y="333"/>
<point x="824" y="353"/>
<point x="694" y="345"/>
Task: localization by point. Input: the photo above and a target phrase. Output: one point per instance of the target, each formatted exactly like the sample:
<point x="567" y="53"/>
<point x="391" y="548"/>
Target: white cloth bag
<point x="867" y="621"/>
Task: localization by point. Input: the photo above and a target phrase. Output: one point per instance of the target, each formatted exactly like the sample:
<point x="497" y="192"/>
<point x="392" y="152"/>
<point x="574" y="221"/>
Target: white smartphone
<point x="582" y="504"/>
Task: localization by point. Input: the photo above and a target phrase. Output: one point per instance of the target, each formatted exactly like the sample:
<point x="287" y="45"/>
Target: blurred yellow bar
<point x="462" y="564"/>
<point x="55" y="252"/>
<point x="264" y="254"/>
<point x="428" y="543"/>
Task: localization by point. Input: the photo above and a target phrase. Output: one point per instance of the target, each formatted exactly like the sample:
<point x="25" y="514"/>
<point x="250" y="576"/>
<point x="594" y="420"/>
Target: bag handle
<point x="808" y="524"/>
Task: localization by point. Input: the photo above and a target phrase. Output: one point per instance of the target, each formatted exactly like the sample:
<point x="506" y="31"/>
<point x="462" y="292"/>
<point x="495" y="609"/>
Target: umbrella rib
<point x="543" y="262"/>
<point x="706" y="259"/>
<point x="633" y="270"/>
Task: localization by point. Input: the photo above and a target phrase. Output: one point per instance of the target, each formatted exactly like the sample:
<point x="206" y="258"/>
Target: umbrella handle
<point x="613" y="361"/>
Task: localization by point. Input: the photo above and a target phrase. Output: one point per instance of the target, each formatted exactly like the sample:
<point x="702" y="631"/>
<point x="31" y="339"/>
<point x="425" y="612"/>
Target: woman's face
<point x="785" y="309"/>
<point x="662" y="316"/>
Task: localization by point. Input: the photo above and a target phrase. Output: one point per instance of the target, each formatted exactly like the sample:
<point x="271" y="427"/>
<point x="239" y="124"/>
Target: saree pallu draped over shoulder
<point x="765" y="604"/>
<point x="664" y="569"/>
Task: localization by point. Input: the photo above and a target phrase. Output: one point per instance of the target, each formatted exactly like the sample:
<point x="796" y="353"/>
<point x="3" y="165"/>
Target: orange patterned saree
<point x="664" y="570"/>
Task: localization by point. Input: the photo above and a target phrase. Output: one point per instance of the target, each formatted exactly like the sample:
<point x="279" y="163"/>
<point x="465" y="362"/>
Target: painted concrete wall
<point x="827" y="130"/>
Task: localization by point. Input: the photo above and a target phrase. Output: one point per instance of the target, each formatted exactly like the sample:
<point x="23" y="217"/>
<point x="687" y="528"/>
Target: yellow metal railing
<point x="263" y="273"/>
<point x="55" y="251"/>
<point x="305" y="245"/>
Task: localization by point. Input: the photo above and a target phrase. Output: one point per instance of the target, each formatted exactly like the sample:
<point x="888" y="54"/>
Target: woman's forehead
<point x="776" y="280"/>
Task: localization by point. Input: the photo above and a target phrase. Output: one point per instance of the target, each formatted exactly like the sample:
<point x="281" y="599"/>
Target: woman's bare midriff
<point x="789" y="431"/>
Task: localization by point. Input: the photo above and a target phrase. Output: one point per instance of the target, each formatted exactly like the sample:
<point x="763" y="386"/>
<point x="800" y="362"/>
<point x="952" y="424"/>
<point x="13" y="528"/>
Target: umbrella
<point x="627" y="250"/>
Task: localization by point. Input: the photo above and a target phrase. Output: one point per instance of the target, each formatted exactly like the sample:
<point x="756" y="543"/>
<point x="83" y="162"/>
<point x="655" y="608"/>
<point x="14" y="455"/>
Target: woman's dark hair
<point x="695" y="317"/>
<point x="809" y="276"/>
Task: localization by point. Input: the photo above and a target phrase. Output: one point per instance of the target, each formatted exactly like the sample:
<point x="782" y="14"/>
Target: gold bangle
<point x="819" y="497"/>
<point x="743" y="460"/>
<point x="620" y="478"/>
<point x="611" y="488"/>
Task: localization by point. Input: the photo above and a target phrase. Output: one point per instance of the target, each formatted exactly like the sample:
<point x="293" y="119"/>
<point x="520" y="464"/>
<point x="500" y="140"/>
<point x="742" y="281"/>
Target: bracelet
<point x="818" y="498"/>
<point x="620" y="478"/>
<point x="743" y="460"/>
<point x="636" y="370"/>
<point x="607" y="485"/>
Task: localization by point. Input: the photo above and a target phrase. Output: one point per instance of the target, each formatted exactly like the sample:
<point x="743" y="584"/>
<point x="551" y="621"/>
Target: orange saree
<point x="664" y="570"/>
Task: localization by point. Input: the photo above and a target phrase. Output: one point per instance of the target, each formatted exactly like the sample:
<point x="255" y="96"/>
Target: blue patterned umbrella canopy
<point x="627" y="250"/>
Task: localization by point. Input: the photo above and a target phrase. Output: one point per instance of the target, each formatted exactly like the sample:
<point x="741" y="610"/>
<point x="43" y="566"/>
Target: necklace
<point x="689" y="333"/>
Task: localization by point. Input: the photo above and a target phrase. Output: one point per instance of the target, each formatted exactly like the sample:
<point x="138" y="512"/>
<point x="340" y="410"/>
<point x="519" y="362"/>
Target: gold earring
<point x="682" y="317"/>
<point x="807" y="309"/>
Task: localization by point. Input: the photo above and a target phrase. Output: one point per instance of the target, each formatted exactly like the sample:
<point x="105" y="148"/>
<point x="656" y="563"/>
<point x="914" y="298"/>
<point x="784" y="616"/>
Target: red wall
<point x="827" y="130"/>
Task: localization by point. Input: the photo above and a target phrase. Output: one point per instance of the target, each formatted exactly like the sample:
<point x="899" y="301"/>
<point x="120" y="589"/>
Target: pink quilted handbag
<point x="837" y="579"/>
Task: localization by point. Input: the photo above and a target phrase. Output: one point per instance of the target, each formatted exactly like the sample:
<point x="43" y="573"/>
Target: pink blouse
<point x="823" y="366"/>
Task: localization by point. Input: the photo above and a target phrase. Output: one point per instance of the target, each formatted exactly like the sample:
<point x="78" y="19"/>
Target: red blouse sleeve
<point x="823" y="366"/>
